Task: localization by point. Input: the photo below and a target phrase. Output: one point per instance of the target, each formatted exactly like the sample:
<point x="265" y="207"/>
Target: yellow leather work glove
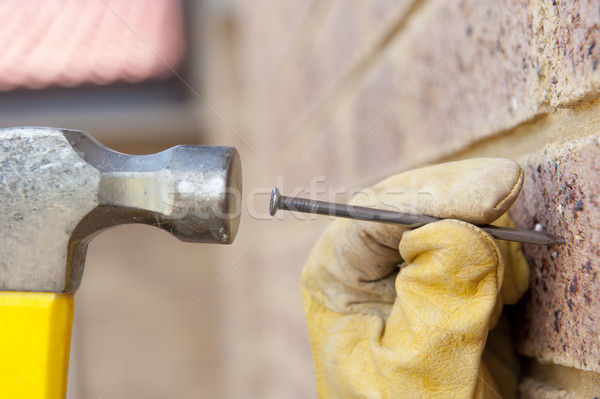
<point x="405" y="314"/>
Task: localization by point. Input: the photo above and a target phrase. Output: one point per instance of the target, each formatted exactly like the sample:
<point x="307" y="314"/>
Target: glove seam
<point x="493" y="245"/>
<point x="515" y="188"/>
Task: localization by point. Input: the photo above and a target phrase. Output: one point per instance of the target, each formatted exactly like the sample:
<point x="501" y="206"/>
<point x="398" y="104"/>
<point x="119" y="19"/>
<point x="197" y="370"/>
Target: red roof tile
<point x="71" y="42"/>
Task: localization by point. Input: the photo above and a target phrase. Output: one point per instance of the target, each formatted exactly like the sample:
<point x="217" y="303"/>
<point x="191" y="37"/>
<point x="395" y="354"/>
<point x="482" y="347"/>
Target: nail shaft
<point x="305" y="205"/>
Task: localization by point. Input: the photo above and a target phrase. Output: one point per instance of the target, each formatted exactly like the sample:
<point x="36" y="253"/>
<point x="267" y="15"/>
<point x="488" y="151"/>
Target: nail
<point x="412" y="221"/>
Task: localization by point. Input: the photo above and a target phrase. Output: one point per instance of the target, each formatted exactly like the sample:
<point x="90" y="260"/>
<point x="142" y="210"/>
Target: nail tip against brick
<point x="558" y="317"/>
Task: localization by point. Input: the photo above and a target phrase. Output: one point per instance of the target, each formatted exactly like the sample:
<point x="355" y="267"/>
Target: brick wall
<point x="354" y="91"/>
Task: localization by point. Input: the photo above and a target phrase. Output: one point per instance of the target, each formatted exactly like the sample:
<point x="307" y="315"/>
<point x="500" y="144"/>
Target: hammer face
<point x="60" y="188"/>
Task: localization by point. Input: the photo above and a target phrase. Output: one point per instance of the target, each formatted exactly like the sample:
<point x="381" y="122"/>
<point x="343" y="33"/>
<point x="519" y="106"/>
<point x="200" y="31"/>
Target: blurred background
<point x="156" y="317"/>
<point x="321" y="98"/>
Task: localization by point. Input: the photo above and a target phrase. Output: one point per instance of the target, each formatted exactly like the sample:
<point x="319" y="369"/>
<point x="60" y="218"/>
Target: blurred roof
<point x="73" y="42"/>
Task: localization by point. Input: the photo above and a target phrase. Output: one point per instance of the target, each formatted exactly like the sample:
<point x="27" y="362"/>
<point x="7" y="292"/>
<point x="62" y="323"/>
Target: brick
<point x="280" y="327"/>
<point x="455" y="73"/>
<point x="556" y="379"/>
<point x="345" y="37"/>
<point x="265" y="37"/>
<point x="378" y="139"/>
<point x="316" y="160"/>
<point x="558" y="318"/>
<point x="351" y="32"/>
<point x="452" y="74"/>
<point x="275" y="39"/>
<point x="459" y="72"/>
<point x="568" y="37"/>
<point x="531" y="388"/>
<point x="266" y="34"/>
<point x="475" y="73"/>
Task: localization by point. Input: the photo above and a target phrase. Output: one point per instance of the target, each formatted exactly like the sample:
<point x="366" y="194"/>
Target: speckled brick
<point x="461" y="71"/>
<point x="475" y="74"/>
<point x="559" y="317"/>
<point x="568" y="33"/>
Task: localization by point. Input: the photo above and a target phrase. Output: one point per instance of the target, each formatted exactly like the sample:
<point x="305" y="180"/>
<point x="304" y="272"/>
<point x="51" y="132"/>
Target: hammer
<point x="58" y="190"/>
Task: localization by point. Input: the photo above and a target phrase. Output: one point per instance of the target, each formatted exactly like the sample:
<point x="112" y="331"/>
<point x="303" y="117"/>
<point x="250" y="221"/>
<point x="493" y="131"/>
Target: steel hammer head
<point x="59" y="188"/>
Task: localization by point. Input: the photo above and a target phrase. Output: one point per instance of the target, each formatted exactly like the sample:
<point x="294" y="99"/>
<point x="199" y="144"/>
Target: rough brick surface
<point x="569" y="35"/>
<point x="461" y="71"/>
<point x="559" y="316"/>
<point x="458" y="73"/>
<point x="475" y="74"/>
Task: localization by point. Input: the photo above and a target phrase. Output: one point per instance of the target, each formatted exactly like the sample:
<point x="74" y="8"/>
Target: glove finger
<point x="516" y="272"/>
<point x="348" y="271"/>
<point x="431" y="343"/>
<point x="354" y="263"/>
<point x="477" y="191"/>
<point x="453" y="275"/>
<point x="446" y="295"/>
<point x="516" y="269"/>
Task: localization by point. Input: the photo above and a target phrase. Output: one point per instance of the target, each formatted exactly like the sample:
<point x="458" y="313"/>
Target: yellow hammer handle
<point x="35" y="339"/>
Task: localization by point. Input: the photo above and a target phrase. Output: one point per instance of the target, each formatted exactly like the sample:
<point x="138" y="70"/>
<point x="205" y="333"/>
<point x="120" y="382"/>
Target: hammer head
<point x="59" y="188"/>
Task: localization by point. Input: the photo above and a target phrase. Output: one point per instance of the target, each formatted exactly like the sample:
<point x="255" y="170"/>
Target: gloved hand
<point x="405" y="314"/>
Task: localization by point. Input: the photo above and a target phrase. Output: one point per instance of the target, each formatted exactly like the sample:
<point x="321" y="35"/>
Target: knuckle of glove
<point x="475" y="190"/>
<point x="452" y="254"/>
